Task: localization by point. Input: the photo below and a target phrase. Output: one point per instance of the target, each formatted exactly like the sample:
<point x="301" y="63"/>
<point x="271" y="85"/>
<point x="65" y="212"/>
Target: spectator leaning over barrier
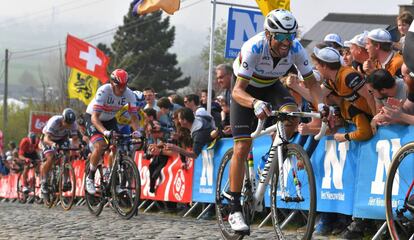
<point x="386" y="91"/>
<point x="358" y="52"/>
<point x="346" y="83"/>
<point x="200" y="129"/>
<point x="404" y="113"/>
<point x="404" y="21"/>
<point x="381" y="55"/>
<point x="149" y="95"/>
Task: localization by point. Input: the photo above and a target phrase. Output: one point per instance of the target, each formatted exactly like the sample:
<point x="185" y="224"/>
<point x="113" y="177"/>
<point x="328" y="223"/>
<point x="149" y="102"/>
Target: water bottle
<point x="262" y="164"/>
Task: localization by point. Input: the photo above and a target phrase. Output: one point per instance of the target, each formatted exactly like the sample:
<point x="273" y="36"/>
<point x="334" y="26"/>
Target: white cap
<point x="328" y="54"/>
<point x="333" y="37"/>
<point x="380" y="35"/>
<point x="359" y="40"/>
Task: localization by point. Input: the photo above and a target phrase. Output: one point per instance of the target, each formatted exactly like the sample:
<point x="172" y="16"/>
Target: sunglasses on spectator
<point x="280" y="37"/>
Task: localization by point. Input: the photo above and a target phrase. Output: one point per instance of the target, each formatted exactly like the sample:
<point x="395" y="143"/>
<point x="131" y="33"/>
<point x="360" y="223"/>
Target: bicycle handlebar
<point x="272" y="128"/>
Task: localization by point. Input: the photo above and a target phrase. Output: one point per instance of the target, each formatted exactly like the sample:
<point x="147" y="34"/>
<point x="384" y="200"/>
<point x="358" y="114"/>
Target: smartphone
<point x="393" y="102"/>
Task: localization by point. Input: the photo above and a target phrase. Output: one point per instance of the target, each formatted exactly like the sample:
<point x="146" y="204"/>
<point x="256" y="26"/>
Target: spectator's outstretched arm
<point x="177" y="149"/>
<point x="363" y="130"/>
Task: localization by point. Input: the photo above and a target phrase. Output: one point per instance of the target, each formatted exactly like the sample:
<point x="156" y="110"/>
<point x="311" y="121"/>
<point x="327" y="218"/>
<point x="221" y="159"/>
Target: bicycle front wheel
<point x="67" y="186"/>
<point x="126" y="187"/>
<point x="21" y="196"/>
<point x="399" y="194"/>
<point x="293" y="203"/>
<point x="223" y="199"/>
<point x="53" y="187"/>
<point x="95" y="202"/>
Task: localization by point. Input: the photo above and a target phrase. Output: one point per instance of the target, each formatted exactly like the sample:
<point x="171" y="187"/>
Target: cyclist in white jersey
<point x="100" y="117"/>
<point x="57" y="131"/>
<point x="263" y="59"/>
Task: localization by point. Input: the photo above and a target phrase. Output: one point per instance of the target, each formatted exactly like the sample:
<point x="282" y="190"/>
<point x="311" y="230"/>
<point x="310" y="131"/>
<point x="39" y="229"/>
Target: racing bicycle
<point x="292" y="183"/>
<point x="61" y="181"/>
<point x="399" y="194"/>
<point x="123" y="186"/>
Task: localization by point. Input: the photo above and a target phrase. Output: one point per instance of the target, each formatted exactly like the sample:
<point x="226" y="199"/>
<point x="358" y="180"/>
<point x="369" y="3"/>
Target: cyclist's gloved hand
<point x="107" y="133"/>
<point x="261" y="107"/>
<point x="136" y="134"/>
<point x="323" y="109"/>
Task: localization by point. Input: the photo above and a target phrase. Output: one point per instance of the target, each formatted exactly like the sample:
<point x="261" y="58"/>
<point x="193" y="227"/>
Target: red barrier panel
<point x="174" y="183"/>
<point x="8" y="186"/>
<point x="79" y="167"/>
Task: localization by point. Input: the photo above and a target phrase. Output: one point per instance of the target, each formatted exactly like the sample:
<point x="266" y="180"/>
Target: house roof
<point x="347" y="26"/>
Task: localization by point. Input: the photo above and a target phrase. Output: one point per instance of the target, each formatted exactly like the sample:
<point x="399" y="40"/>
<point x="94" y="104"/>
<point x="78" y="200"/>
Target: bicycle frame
<point x="276" y="149"/>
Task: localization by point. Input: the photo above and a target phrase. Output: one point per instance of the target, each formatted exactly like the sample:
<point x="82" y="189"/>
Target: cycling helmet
<point x="69" y="115"/>
<point x="119" y="77"/>
<point x="140" y="99"/>
<point x="32" y="136"/>
<point x="280" y="21"/>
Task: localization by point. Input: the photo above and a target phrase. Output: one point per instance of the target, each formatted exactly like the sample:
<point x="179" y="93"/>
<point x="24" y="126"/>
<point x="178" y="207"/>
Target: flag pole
<point x="211" y="59"/>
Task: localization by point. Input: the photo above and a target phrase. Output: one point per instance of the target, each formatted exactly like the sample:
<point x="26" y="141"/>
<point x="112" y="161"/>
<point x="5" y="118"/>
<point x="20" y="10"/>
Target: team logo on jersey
<point x="306" y="62"/>
<point x="245" y="65"/>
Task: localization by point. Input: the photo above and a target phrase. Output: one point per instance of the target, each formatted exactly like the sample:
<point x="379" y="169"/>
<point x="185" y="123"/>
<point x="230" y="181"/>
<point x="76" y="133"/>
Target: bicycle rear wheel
<point x="67" y="186"/>
<point x="299" y="202"/>
<point x="399" y="190"/>
<point x="126" y="188"/>
<point x="95" y="202"/>
<point x="21" y="196"/>
<point x="223" y="199"/>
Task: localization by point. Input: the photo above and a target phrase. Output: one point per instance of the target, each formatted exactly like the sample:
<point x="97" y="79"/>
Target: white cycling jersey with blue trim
<point x="255" y="63"/>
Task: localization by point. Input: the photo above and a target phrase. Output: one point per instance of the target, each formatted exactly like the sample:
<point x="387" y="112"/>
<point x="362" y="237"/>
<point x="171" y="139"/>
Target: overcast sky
<point x="194" y="17"/>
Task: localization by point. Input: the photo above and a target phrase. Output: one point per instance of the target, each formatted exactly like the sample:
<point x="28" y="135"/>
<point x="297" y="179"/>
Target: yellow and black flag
<point x="82" y="86"/>
<point x="268" y="5"/>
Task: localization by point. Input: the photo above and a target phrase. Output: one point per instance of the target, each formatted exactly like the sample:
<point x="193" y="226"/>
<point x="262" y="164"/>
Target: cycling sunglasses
<point x="280" y="37"/>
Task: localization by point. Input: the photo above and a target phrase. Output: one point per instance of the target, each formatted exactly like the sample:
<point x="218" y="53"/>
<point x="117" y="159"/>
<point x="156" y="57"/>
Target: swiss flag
<point x="86" y="58"/>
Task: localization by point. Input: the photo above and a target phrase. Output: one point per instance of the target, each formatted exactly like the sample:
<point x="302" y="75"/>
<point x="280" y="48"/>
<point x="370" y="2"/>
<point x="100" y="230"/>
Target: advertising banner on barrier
<point x="174" y="183"/>
<point x="205" y="171"/>
<point x="8" y="186"/>
<point x="334" y="166"/>
<point x="207" y="165"/>
<point x="374" y="158"/>
<point x="79" y="167"/>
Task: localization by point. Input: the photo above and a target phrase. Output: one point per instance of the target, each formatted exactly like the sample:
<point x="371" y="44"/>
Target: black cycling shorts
<point x="243" y="120"/>
<point x="32" y="156"/>
<point x="93" y="133"/>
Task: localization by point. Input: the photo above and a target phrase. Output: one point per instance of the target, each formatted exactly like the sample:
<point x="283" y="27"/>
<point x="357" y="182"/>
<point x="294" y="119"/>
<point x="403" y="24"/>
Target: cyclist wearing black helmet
<point x="56" y="131"/>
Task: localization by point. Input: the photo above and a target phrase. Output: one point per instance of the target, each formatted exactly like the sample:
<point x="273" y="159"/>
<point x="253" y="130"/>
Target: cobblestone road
<point x="25" y="221"/>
